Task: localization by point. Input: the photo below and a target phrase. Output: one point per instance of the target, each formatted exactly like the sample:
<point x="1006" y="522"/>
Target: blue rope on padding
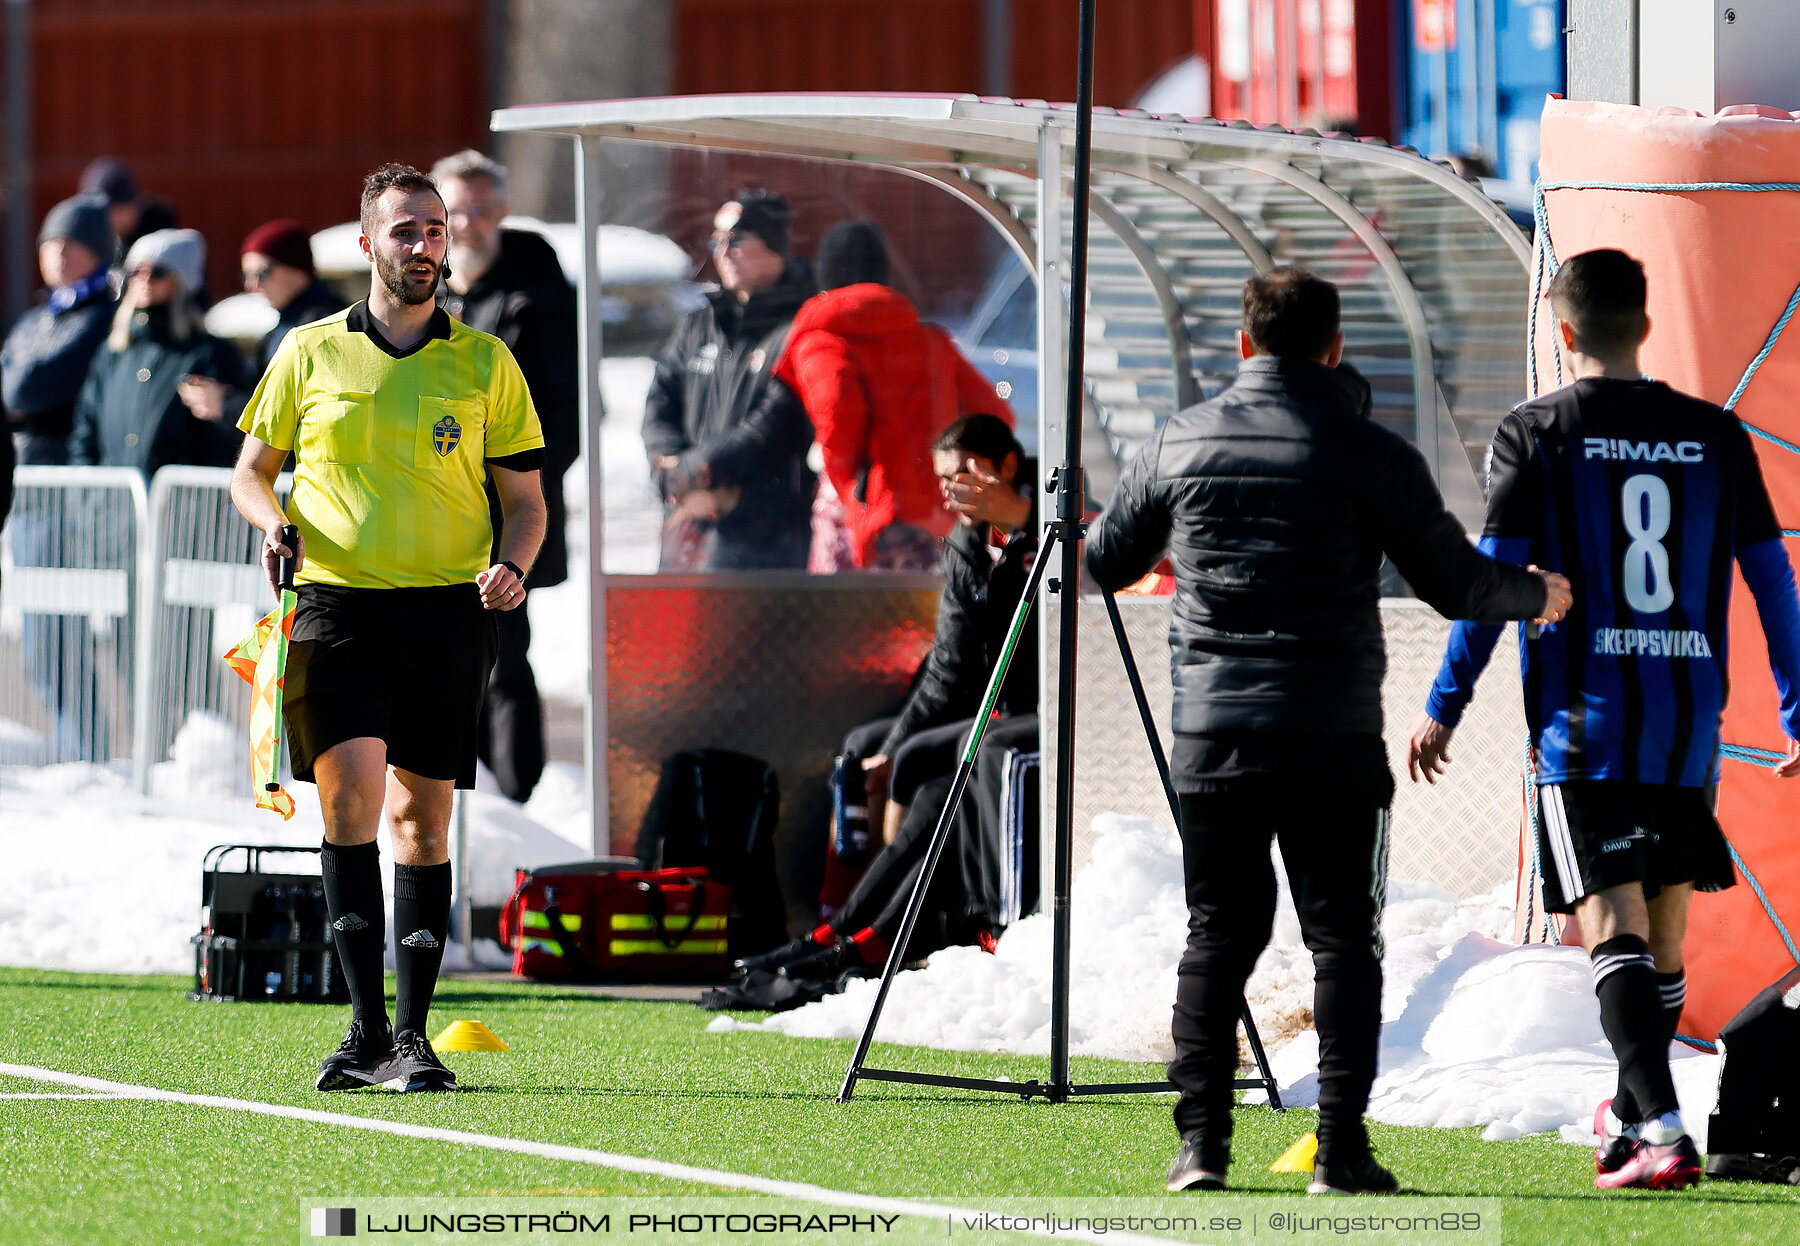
<point x="1701" y="1043"/>
<point x="1676" y="188"/>
<point x="1767" y="758"/>
<point x="1533" y="811"/>
<point x="1754" y="431"/>
<point x="1774" y="336"/>
<point x="1755" y="756"/>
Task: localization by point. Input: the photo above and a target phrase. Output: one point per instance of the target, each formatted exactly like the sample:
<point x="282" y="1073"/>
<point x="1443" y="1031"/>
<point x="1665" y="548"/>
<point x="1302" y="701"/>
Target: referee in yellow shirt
<point x="394" y="414"/>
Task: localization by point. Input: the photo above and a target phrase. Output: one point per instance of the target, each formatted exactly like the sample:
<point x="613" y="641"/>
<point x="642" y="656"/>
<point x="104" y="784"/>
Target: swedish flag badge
<point x="445" y="434"/>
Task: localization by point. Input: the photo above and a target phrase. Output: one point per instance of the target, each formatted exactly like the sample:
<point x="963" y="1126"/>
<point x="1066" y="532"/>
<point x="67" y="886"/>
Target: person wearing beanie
<point x="46" y="355"/>
<point x="728" y="446"/>
<point x="509" y="282"/>
<point x="879" y="386"/>
<point x="156" y="393"/>
<point x="131" y="212"/>
<point x="277" y="263"/>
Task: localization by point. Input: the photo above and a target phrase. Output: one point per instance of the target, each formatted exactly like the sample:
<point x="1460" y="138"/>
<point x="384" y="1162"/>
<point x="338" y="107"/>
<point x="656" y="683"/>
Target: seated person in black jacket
<point x="987" y="561"/>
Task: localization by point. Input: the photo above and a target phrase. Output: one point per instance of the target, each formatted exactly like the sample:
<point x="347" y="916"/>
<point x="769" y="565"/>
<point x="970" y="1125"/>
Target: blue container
<point x="1476" y="73"/>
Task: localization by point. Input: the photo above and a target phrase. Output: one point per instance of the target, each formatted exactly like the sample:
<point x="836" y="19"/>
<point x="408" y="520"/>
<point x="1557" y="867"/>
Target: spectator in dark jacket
<point x="509" y="282"/>
<point x="727" y="445"/>
<point x="156" y="393"/>
<point x="879" y="386"/>
<point x="277" y="262"/>
<point x="43" y="365"/>
<point x="1276" y="501"/>
<point x="45" y="358"/>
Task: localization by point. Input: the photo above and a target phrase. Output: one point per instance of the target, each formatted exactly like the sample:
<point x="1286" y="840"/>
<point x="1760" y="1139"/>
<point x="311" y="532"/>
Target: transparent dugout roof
<point x="1433" y="274"/>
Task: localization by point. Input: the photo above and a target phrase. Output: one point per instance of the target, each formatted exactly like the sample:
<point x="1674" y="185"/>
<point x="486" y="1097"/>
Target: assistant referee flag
<point x="261" y="659"/>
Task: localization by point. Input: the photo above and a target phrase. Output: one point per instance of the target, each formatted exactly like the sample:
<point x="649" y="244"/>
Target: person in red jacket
<point x="879" y="386"/>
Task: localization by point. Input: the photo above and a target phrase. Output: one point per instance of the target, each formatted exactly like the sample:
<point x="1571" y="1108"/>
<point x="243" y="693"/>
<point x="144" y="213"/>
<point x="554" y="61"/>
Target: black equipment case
<point x="1754" y="1134"/>
<point x="263" y="936"/>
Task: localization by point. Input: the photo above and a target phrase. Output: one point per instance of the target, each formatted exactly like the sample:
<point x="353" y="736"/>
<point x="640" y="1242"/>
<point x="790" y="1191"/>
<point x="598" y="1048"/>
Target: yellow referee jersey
<point x="390" y="448"/>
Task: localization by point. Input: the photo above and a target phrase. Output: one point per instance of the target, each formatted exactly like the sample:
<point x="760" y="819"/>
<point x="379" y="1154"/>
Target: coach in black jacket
<point x="1276" y="501"/>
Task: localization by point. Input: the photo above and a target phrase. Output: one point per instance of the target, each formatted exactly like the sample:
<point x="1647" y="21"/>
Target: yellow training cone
<point x="1297" y="1158"/>
<point x="468" y="1036"/>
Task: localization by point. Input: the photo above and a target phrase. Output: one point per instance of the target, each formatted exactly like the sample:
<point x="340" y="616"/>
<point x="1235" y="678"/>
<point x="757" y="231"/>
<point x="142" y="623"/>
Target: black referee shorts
<point x="406" y="665"/>
<point x="1597" y="833"/>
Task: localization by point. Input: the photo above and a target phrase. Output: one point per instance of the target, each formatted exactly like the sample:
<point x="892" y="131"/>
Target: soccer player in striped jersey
<point x="1644" y="497"/>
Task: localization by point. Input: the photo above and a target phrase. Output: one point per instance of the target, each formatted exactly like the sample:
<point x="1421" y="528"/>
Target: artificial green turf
<point x="646" y="1079"/>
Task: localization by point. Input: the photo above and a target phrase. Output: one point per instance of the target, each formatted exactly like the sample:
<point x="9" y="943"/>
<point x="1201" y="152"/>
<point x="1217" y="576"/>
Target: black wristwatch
<point x="513" y="567"/>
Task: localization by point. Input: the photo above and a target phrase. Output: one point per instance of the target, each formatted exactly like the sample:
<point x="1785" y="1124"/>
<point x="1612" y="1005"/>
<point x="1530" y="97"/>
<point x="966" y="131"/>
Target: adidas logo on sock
<point x="420" y="938"/>
<point x="349" y="922"/>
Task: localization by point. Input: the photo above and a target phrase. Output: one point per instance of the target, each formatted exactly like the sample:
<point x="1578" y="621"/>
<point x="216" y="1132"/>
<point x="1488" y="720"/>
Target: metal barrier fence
<point x="204" y="588"/>
<point x="69" y="611"/>
<point x="114" y="610"/>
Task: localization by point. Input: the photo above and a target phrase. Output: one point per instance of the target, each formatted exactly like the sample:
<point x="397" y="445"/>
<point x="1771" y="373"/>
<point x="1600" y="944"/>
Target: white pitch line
<point x="548" y="1150"/>
<point x="40" y="1094"/>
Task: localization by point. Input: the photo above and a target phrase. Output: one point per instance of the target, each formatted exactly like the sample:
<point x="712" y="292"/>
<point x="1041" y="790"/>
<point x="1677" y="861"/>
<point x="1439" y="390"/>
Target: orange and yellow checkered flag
<point x="261" y="659"/>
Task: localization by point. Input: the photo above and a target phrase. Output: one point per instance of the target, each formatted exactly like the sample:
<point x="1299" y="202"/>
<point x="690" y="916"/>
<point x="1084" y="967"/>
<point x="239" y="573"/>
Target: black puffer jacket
<point x="525" y="300"/>
<point x="42" y="366"/>
<point x="980" y="595"/>
<point x="129" y="414"/>
<point x="715" y="402"/>
<point x="1276" y="501"/>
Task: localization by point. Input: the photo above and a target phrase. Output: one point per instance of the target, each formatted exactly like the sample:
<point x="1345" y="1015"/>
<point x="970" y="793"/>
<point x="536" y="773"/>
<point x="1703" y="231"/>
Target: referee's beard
<point x="398" y="282"/>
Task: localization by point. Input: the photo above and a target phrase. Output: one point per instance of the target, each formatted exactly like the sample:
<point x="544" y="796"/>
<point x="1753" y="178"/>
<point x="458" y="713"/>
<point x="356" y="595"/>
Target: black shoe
<point x="1754" y="1166"/>
<point x="823" y="964"/>
<point x="364" y="1058"/>
<point x="1197" y="1166"/>
<point x="772" y="961"/>
<point x="418" y="1066"/>
<point x="1354" y="1173"/>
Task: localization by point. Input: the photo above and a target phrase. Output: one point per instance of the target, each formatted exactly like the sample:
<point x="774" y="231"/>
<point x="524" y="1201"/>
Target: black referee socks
<point x="358" y="915"/>
<point x="421" y="928"/>
<point x="1631" y="1013"/>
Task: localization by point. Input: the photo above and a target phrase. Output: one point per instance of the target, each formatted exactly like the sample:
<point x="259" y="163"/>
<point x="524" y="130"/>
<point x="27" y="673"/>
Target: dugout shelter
<point x="1435" y="290"/>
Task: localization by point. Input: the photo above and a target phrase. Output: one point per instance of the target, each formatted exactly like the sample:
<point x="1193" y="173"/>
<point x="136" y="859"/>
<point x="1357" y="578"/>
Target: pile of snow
<point x="1475" y="1033"/>
<point x="100" y="878"/>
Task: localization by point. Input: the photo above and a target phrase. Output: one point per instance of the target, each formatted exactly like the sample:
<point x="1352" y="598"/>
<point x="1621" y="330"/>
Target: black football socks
<point x="1672" y="988"/>
<point x="353" y="901"/>
<point x="421" y="928"/>
<point x="1632" y="1014"/>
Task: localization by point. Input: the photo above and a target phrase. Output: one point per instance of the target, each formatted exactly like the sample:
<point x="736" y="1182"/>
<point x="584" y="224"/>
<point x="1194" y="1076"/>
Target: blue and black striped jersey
<point x="1644" y="497"/>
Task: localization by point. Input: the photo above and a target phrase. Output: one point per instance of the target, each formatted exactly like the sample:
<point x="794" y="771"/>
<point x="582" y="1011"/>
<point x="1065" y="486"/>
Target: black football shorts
<point x="1596" y="833"/>
<point x="405" y="665"/>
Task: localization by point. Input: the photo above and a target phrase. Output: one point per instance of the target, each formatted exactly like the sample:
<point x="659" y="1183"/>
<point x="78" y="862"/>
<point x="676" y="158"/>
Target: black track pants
<point x="1335" y="852"/>
<point x="512" y="715"/>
